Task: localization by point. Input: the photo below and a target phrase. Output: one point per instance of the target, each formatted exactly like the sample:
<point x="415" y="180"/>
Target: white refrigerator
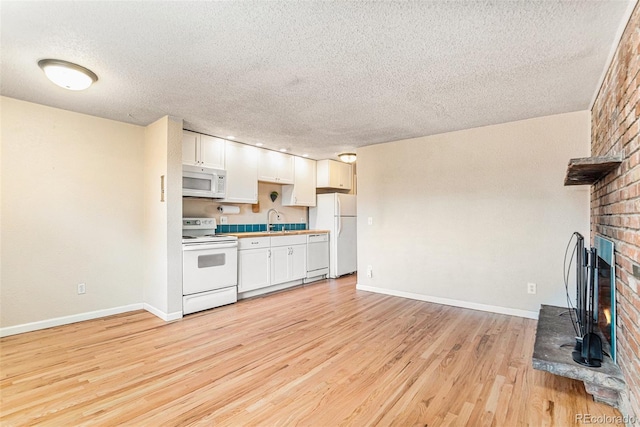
<point x="336" y="212"/>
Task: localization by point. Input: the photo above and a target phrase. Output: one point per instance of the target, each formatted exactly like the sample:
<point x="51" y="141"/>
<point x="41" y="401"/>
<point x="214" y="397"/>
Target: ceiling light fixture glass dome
<point x="347" y="157"/>
<point x="67" y="74"/>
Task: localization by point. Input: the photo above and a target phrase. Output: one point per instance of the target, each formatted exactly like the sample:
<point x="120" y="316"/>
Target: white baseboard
<point x="452" y="302"/>
<point x="65" y="320"/>
<point x="167" y="317"/>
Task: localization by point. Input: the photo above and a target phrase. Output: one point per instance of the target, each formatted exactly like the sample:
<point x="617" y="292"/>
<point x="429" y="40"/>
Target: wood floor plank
<point x="319" y="355"/>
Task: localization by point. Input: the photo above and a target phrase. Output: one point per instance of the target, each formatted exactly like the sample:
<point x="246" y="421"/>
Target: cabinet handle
<point x="269" y="256"/>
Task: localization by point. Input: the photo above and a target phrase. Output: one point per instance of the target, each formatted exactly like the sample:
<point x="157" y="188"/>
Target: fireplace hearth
<point x="555" y="338"/>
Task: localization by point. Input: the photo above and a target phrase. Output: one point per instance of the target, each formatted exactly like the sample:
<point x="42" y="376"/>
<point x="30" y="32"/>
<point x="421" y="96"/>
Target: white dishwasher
<point x="317" y="256"/>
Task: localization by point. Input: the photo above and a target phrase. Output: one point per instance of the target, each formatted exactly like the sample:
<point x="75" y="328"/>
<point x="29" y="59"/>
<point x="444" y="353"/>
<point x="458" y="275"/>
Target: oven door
<point x="209" y="266"/>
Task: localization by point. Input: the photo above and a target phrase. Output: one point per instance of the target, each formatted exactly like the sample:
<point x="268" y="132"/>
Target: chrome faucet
<point x="269" y="225"/>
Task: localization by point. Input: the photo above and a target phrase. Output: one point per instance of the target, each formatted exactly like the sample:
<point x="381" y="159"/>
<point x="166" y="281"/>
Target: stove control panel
<point x="198" y="223"/>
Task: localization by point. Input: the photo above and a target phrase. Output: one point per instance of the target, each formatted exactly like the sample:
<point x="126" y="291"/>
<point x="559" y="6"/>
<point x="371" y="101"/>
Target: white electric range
<point x="209" y="266"/>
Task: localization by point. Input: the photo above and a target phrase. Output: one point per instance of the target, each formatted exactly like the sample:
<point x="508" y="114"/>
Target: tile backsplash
<point x="247" y="228"/>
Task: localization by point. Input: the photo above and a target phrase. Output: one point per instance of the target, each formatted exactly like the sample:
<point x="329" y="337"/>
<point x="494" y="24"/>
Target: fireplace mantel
<point x="589" y="170"/>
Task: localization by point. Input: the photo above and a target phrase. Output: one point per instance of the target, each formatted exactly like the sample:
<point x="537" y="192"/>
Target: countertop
<point x="276" y="233"/>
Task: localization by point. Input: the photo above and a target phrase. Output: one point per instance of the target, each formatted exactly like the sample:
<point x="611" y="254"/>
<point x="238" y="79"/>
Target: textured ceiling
<point x="314" y="77"/>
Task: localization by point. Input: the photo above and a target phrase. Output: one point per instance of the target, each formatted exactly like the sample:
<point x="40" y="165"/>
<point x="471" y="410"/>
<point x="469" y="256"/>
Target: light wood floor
<point x="320" y="355"/>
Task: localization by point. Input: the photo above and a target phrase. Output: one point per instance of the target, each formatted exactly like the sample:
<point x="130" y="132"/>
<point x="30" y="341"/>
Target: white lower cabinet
<point x="288" y="258"/>
<point x="253" y="263"/>
<point x="288" y="263"/>
<point x="265" y="262"/>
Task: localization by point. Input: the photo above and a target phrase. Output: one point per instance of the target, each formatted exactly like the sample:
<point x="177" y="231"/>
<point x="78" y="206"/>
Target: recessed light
<point x="283" y="150"/>
<point x="231" y="137"/>
<point x="67" y="74"/>
<point x="259" y="144"/>
<point x="305" y="155"/>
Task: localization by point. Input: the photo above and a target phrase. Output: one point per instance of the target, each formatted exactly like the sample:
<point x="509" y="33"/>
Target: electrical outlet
<point x="82" y="288"/>
<point x="369" y="271"/>
<point x="224" y="220"/>
<point x="370" y="220"/>
<point x="531" y="288"/>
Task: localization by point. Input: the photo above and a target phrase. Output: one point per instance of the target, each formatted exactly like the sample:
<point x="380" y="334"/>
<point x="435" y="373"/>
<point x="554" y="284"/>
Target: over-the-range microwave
<point x="203" y="182"/>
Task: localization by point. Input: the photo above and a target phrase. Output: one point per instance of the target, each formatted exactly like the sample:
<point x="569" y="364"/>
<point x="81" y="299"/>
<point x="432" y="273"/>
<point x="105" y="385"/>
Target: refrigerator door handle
<point x="339" y="213"/>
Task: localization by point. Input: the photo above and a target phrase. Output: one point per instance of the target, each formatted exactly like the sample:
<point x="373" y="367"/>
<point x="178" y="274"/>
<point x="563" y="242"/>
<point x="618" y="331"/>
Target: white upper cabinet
<point x="202" y="150"/>
<point x="190" y="142"/>
<point x="241" y="164"/>
<point x="212" y="152"/>
<point x="303" y="190"/>
<point x="276" y="167"/>
<point x="332" y="174"/>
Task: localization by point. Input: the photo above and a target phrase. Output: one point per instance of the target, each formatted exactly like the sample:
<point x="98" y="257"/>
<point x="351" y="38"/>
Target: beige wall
<point x="162" y="218"/>
<point x="155" y="218"/>
<point x="72" y="212"/>
<point x="471" y="217"/>
<point x="203" y="208"/>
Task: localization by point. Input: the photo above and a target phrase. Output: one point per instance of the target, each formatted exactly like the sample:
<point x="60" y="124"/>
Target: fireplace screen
<point x="606" y="299"/>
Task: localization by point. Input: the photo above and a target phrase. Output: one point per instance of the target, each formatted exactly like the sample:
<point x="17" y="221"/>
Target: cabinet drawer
<point x="253" y="242"/>
<point x="288" y="240"/>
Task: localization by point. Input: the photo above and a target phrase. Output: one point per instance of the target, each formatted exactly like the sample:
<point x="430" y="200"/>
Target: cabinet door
<point x="276" y="167"/>
<point x="286" y="169"/>
<point x="190" y="148"/>
<point x="267" y="166"/>
<point x="298" y="262"/>
<point x="211" y="152"/>
<point x="332" y="174"/>
<point x="280" y="269"/>
<point x="344" y="176"/>
<point x="253" y="269"/>
<point x="241" y="163"/>
<point x="303" y="190"/>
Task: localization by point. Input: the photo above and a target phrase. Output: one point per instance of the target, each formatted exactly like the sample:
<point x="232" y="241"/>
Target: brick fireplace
<point x="615" y="200"/>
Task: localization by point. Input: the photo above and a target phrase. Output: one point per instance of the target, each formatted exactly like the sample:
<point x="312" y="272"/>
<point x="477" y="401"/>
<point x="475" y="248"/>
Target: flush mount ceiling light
<point x="67" y="74"/>
<point x="347" y="157"/>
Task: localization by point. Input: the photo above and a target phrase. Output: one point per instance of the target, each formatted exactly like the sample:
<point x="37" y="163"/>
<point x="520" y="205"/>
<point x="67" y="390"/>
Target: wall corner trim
<point x="167" y="317"/>
<point x="65" y="320"/>
<point x="451" y="302"/>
